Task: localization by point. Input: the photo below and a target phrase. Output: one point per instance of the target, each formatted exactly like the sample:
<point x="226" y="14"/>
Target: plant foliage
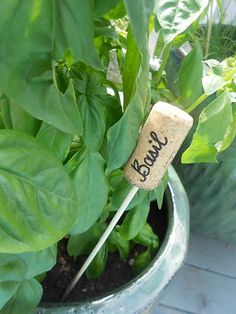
<point x="65" y="138"/>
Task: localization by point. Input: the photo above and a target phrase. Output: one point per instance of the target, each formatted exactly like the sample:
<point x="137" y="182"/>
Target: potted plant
<point x="65" y="140"/>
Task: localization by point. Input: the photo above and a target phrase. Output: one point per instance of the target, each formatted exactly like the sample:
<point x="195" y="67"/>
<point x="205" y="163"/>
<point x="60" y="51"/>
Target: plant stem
<point x="196" y="103"/>
<point x="209" y="28"/>
<point x="165" y="56"/>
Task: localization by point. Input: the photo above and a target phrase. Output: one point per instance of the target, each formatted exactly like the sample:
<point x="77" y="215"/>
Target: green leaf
<point x="83" y="243"/>
<point x="22" y="121"/>
<point x="89" y="88"/>
<point x="141" y="261"/>
<point x="93" y="122"/>
<point x="190" y="77"/>
<point x="7" y="291"/>
<point x="117" y="242"/>
<point x="98" y="264"/>
<point x="160" y="190"/>
<point x="5" y="110"/>
<point x="12" y="272"/>
<point x="139" y="12"/>
<point x="175" y="16"/>
<point x="59" y="142"/>
<point x="28" y="75"/>
<point x="25" y="299"/>
<point x="134" y="220"/>
<point x="40" y="261"/>
<point x="121" y="191"/>
<point x="230" y="131"/>
<point x="38" y="202"/>
<point x="122" y="136"/>
<point x="131" y="68"/>
<point x="12" y="268"/>
<point x="92" y="190"/>
<point x="213" y="77"/>
<point x="102" y="7"/>
<point x="147" y="237"/>
<point x="211" y="131"/>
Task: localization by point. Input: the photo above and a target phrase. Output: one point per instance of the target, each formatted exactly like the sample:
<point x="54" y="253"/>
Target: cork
<point x="160" y="139"/>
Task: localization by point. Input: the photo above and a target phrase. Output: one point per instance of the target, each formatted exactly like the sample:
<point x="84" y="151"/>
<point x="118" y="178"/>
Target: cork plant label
<point x="161" y="137"/>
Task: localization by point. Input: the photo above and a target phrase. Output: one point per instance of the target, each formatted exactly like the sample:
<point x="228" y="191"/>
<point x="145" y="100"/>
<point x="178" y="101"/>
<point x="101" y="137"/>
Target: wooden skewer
<point x="161" y="137"/>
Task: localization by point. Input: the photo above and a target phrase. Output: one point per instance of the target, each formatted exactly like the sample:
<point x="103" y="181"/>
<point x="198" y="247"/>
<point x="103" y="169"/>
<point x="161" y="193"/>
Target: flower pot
<point x="140" y="294"/>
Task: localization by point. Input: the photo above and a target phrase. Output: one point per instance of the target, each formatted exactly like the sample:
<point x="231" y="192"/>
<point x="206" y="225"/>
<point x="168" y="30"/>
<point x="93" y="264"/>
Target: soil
<point x="117" y="273"/>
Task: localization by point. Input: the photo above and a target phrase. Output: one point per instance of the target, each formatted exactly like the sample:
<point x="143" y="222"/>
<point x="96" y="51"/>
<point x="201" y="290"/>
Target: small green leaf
<point x="147" y="237"/>
<point x="134" y="220"/>
<point x="83" y="243"/>
<point x="98" y="264"/>
<point x="175" y="16"/>
<point x="92" y="190"/>
<point x="190" y="77"/>
<point x="25" y="299"/>
<point x="141" y="261"/>
<point x="211" y="130"/>
<point x="121" y="191"/>
<point x="59" y="142"/>
<point x="230" y="131"/>
<point x="117" y="242"/>
<point x="7" y="291"/>
<point x="93" y="122"/>
<point x="5" y="110"/>
<point x="12" y="272"/>
<point x="160" y="190"/>
<point x="40" y="261"/>
<point x="213" y="77"/>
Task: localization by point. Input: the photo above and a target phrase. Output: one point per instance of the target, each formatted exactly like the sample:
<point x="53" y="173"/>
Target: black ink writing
<point x="149" y="160"/>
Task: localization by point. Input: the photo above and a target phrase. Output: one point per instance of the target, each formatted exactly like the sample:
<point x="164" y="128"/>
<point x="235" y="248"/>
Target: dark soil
<point x="117" y="273"/>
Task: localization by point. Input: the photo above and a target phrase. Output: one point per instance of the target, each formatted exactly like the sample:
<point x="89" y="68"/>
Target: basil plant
<point x="65" y="137"/>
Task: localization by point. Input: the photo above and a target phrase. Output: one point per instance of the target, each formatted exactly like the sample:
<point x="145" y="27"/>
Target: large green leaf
<point x="210" y="135"/>
<point x="38" y="202"/>
<point x="139" y="12"/>
<point x="190" y="77"/>
<point x="58" y="141"/>
<point x="92" y="190"/>
<point x="131" y="68"/>
<point x="26" y="62"/>
<point x="175" y="16"/>
<point x="25" y="299"/>
<point x="102" y="7"/>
